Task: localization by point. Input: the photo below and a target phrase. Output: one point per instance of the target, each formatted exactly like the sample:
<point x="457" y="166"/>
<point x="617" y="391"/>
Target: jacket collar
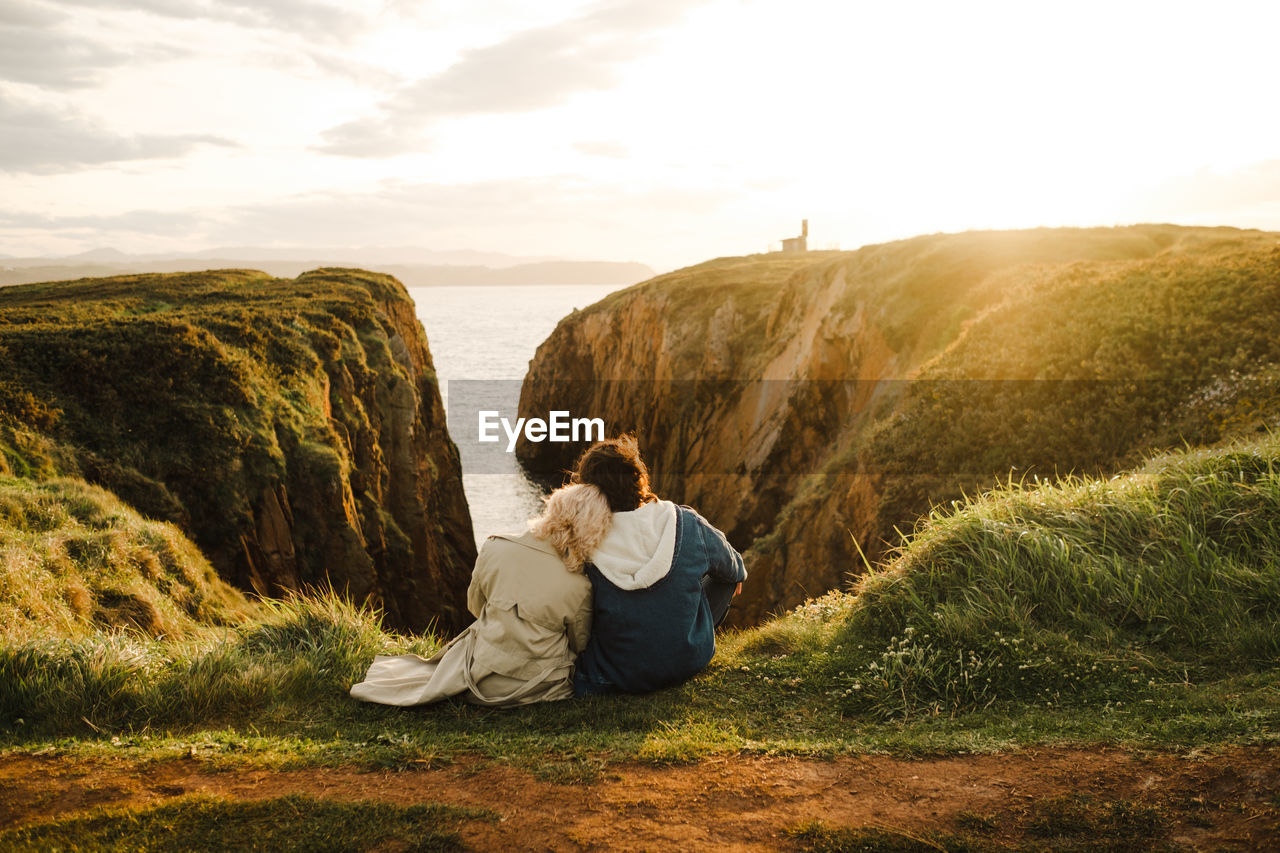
<point x="528" y="540"/>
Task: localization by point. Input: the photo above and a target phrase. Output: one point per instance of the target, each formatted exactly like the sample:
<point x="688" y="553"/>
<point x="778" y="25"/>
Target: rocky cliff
<point x="292" y="427"/>
<point x="814" y="405"/>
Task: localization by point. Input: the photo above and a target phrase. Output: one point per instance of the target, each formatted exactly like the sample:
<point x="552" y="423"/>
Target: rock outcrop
<point x="293" y="428"/>
<point x="813" y="405"/>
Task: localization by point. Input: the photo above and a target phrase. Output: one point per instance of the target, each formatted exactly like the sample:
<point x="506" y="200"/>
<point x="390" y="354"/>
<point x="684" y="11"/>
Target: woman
<point x="663" y="578"/>
<point x="532" y="605"/>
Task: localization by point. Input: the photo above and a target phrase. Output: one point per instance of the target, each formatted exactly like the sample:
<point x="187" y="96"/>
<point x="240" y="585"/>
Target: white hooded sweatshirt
<point x="639" y="547"/>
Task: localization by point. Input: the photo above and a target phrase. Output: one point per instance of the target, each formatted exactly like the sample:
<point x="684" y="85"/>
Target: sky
<point x="661" y="131"/>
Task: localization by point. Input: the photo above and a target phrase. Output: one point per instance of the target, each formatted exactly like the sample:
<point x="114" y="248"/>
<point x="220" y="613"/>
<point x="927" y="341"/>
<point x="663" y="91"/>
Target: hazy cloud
<point x="18" y="13"/>
<point x="409" y="214"/>
<point x="103" y="227"/>
<point x="34" y="50"/>
<point x="530" y="70"/>
<point x="308" y="15"/>
<point x="336" y="64"/>
<point x="602" y="148"/>
<point x="36" y="139"/>
<point x="371" y="137"/>
<point x="1207" y="190"/>
<point x="37" y="46"/>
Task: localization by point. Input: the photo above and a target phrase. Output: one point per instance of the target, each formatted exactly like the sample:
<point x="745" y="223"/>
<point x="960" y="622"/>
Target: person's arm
<point x="579" y="627"/>
<point x="476" y="591"/>
<point x="724" y="563"/>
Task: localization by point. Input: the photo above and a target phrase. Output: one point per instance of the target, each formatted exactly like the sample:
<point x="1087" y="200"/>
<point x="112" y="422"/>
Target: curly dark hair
<point x="615" y="468"/>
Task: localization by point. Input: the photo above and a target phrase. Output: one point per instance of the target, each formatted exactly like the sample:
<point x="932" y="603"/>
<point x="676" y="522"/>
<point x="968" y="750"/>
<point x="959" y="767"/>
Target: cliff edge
<point x="293" y="428"/>
<point x="814" y="405"/>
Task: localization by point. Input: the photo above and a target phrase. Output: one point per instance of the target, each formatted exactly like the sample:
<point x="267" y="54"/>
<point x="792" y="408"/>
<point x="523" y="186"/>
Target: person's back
<point x="532" y="605"/>
<point x="653" y="624"/>
<point x="532" y="616"/>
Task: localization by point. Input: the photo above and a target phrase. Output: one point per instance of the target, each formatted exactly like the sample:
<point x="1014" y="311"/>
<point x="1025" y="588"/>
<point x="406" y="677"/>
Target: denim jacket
<point x="662" y="634"/>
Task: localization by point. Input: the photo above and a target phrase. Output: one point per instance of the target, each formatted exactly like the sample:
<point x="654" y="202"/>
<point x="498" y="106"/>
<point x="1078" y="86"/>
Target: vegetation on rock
<point x="292" y="428"/>
<point x="814" y="406"/>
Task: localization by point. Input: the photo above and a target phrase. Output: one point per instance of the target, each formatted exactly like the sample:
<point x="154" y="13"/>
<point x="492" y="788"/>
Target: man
<point x="662" y="579"/>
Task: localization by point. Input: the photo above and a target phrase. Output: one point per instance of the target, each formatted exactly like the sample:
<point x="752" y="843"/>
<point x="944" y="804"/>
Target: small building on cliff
<point x="798" y="244"/>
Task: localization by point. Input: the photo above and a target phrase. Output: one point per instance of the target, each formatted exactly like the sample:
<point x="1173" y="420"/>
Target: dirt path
<point x="1229" y="800"/>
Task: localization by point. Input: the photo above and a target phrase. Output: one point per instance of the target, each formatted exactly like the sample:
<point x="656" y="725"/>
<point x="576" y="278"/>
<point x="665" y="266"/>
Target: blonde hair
<point x="574" y="520"/>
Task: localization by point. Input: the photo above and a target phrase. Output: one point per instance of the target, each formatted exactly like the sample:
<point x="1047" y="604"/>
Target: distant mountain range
<point x="413" y="266"/>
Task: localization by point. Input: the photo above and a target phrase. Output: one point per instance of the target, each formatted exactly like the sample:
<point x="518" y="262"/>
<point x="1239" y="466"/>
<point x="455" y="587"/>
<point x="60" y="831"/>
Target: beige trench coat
<point x="532" y="618"/>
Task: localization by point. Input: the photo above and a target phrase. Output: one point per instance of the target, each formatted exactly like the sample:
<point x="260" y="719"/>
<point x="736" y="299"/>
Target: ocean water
<point x="481" y="340"/>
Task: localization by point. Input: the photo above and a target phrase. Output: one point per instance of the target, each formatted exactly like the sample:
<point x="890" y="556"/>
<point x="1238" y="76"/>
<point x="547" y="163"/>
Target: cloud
<point x="512" y="214"/>
<point x="372" y="137"/>
<point x="17" y="13"/>
<point x="1207" y="190"/>
<point x="530" y="70"/>
<point x="150" y="222"/>
<point x="337" y="64"/>
<point x="313" y="17"/>
<point x="35" y="50"/>
<point x="44" y="141"/>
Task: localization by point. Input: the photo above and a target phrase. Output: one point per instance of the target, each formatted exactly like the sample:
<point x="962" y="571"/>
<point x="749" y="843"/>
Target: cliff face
<point x="292" y="427"/>
<point x="810" y="405"/>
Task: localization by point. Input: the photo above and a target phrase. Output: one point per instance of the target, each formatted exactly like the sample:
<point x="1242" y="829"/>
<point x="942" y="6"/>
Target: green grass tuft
<point x="292" y="822"/>
<point x="296" y="655"/>
<point x="75" y="560"/>
<point x="1089" y="588"/>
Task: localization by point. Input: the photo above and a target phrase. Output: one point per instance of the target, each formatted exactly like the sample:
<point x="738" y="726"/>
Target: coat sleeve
<point x="724" y="563"/>
<point x="477" y="593"/>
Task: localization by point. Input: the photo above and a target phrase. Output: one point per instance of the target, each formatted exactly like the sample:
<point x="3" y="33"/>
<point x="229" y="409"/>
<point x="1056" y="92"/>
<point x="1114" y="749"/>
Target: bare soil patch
<point x="1225" y="800"/>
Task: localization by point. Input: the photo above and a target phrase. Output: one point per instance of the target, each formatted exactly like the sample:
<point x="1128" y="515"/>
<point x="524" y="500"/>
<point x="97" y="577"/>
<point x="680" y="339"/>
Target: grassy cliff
<point x="1136" y="608"/>
<point x="291" y="428"/>
<point x="815" y="406"/>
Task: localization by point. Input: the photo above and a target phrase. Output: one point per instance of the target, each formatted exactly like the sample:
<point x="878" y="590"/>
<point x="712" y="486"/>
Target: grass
<point x="74" y="560"/>
<point x="1141" y="611"/>
<point x="1090" y="586"/>
<point x="295" y="823"/>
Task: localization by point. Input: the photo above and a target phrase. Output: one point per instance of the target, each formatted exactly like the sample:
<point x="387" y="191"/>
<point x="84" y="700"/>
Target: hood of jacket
<point x="639" y="547"/>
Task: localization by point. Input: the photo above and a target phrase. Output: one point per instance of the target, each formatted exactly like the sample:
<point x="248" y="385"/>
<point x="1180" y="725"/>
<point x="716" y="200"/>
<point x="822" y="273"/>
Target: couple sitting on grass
<point x="610" y="590"/>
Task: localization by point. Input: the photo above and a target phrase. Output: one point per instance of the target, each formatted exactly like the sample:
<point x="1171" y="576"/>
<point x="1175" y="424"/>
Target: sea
<point x="482" y="339"/>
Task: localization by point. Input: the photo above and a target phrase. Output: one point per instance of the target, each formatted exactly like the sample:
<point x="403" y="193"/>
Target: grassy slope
<point x="169" y="389"/>
<point x="1143" y="609"/>
<point x="74" y="559"/>
<point x="1087" y="367"/>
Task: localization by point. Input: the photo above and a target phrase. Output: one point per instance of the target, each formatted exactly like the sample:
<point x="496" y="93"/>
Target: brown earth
<point x="1226" y="800"/>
